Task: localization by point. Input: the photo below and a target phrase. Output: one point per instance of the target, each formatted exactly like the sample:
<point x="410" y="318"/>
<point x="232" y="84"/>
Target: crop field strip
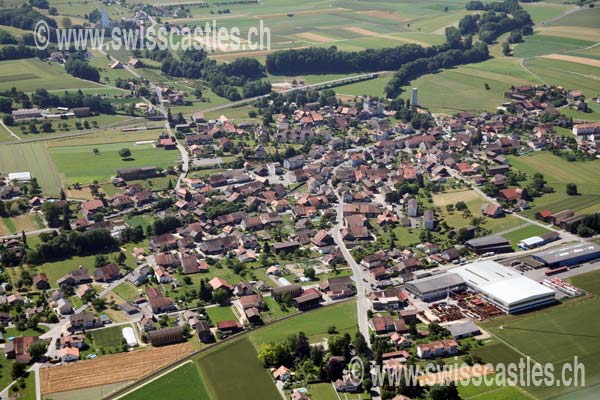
<point x="110" y="369"/>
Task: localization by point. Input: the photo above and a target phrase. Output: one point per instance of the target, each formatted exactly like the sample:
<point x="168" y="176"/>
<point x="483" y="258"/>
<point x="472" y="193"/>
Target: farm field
<point x="561" y="332"/>
<point x="80" y="164"/>
<point x="463" y="87"/>
<point x="115" y="135"/>
<point x="182" y="383"/>
<point x="558" y="172"/>
<point x="19" y="223"/>
<point x="539" y="44"/>
<point x="110" y="369"/>
<point x="31" y="74"/>
<point x="244" y="379"/>
<point x="589" y="281"/>
<point x="568" y="74"/>
<point x="32" y="157"/>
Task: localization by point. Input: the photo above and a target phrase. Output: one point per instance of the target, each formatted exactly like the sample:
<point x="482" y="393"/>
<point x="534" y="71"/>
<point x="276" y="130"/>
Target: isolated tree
<point x="571" y="189"/>
<point x="125" y="152"/>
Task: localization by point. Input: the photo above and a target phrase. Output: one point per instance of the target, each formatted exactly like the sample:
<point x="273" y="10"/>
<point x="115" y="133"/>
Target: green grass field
<point x="558" y="172"/>
<point x="126" y="291"/>
<point x="474" y="202"/>
<point x="468" y="390"/>
<point x="182" y="383"/>
<point x="526" y="232"/>
<point x="589" y="281"/>
<point x="108" y="336"/>
<point x="538" y="45"/>
<point x="31" y="74"/>
<point x="463" y="87"/>
<point x="568" y="74"/>
<point x="314" y="324"/>
<point x="80" y="164"/>
<point x="233" y="371"/>
<point x="219" y="313"/>
<point x="554" y="335"/>
<point x="32" y="157"/>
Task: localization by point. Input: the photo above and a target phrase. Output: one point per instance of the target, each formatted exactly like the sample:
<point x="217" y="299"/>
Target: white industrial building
<point x="129" y="336"/>
<point x="505" y="288"/>
<point x="19" y="176"/>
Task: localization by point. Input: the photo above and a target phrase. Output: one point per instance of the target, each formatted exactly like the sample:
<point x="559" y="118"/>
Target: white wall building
<point x="504" y="287"/>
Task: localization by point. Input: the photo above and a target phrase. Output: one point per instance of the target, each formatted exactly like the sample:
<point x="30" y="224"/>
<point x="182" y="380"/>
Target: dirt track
<point x="579" y="60"/>
<point x="110" y="369"/>
<point x="313" y="37"/>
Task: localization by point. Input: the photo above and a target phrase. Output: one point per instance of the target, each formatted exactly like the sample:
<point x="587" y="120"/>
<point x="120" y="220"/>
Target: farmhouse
<point x="505" y="288"/>
<point x="26" y="113"/>
<point x="18" y="348"/>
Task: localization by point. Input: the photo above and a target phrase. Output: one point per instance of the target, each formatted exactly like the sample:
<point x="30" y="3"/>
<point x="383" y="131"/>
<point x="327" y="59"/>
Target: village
<point x="414" y="224"/>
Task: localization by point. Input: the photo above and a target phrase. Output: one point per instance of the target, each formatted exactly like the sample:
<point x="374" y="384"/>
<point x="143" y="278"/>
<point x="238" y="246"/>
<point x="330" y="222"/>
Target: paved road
<point x="362" y="301"/>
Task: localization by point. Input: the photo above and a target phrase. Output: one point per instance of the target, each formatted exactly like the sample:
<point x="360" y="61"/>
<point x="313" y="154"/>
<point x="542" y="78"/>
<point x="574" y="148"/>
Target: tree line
<point x="315" y="60"/>
<point x="223" y="79"/>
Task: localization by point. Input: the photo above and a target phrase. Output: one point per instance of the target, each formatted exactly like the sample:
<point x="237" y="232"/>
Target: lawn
<point x="232" y="371"/>
<point x="14" y="332"/>
<point x="325" y="391"/>
<point x="218" y="313"/>
<point x="554" y="335"/>
<point x="32" y="157"/>
<point x="80" y="164"/>
<point x="313" y="323"/>
<point x="182" y="383"/>
<point x="275" y="311"/>
<point x="474" y="202"/>
<point x="108" y="337"/>
<point x="526" y="232"/>
<point x="558" y="172"/>
<point x="126" y="291"/>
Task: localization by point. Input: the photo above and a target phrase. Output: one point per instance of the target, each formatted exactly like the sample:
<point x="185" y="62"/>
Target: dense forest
<point x="315" y="60"/>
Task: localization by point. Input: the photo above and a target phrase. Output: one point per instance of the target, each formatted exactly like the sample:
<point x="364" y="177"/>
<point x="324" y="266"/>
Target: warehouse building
<point x="436" y="287"/>
<point x="568" y="255"/>
<point x="489" y="244"/>
<point x="505" y="288"/>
